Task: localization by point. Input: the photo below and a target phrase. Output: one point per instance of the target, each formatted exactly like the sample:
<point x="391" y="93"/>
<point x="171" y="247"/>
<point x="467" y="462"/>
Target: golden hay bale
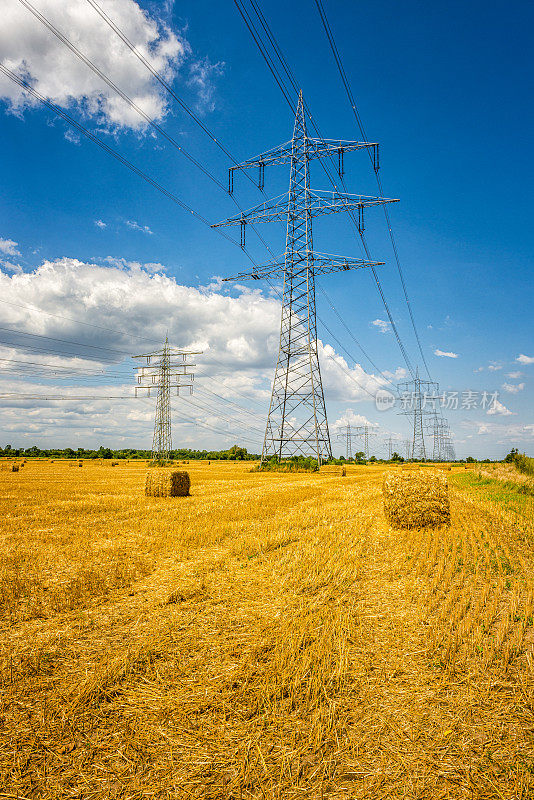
<point x="167" y="483"/>
<point x="14" y="467"/>
<point x="416" y="500"/>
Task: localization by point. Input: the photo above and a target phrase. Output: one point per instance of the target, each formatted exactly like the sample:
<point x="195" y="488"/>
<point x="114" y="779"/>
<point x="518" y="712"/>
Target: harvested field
<point x="269" y="636"/>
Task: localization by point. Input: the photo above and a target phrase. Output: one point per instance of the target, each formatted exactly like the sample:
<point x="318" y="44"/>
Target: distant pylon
<point x="297" y="422"/>
<point x="364" y="431"/>
<point x="418" y="393"/>
<point x="389" y="442"/>
<point x="164" y="370"/>
<point x="347" y="436"/>
<point x="435" y="428"/>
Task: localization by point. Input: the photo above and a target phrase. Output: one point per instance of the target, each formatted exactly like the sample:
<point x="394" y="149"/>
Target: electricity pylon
<point x="389" y="443"/>
<point x="297" y="422"/>
<point x="449" y="453"/>
<point x="363" y="431"/>
<point x="164" y="370"/>
<point x="436" y="426"/>
<point x="423" y="392"/>
<point x="347" y="436"/>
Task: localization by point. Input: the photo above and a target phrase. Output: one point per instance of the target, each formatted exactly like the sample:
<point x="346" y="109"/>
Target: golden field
<point x="268" y="637"/>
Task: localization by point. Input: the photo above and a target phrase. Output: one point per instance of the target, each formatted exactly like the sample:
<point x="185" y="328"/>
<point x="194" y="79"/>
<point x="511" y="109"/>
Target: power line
<point x="77" y="321"/>
<point x="287" y="69"/>
<point x="161" y="80"/>
<point x="128" y="100"/>
<point x="28" y="88"/>
<point x="87" y="61"/>
<point x="63" y="39"/>
<point x="352" y="101"/>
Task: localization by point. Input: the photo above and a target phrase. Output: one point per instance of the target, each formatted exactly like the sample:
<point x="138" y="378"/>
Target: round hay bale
<point x="14" y="467"/>
<point x="416" y="500"/>
<point x="167" y="483"/>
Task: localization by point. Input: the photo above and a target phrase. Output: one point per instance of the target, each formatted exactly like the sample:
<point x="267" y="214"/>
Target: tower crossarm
<point x="320" y="203"/>
<point x="315" y="148"/>
<point x="321" y="263"/>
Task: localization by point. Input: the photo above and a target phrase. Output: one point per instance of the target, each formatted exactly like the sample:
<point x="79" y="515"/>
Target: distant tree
<point x="237" y="453"/>
<point x="105" y="452"/>
<point x="512" y="455"/>
<point x="470" y="460"/>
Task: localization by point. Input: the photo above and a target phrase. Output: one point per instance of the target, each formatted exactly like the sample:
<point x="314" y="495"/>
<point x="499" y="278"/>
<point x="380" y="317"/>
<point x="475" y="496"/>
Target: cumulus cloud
<point x="98" y="315"/>
<point x="9" y="247"/>
<point x="498" y="408"/>
<point x="349" y="417"/>
<point x="443" y="354"/>
<point x="30" y="50"/>
<point x="381" y="324"/>
<point x="514" y="375"/>
<point x="523" y="359"/>
<point x="513" y="388"/>
<point x="494" y="367"/>
<point x="100" y="224"/>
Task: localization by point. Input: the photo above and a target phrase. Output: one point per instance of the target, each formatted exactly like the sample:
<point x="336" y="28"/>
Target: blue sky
<point x="444" y="88"/>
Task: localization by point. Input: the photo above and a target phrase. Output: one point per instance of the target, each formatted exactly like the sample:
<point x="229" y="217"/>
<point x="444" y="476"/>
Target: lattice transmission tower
<point x="419" y="398"/>
<point x="365" y="432"/>
<point x="165" y="370"/>
<point x="347" y="436"/>
<point x="436" y="426"/>
<point x="297" y="423"/>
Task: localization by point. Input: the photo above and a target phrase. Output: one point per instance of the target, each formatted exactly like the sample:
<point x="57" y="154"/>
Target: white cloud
<point x="100" y="224"/>
<point x="399" y="374"/>
<point x="30" y="50"/>
<point x="136" y="227"/>
<point x="525" y="359"/>
<point x="494" y="367"/>
<point x="202" y="74"/>
<point x="513" y="388"/>
<point x="238" y="334"/>
<point x="10" y="267"/>
<point x="514" y="375"/>
<point x="349" y="417"/>
<point x="515" y="432"/>
<point x="498" y="408"/>
<point x="381" y="324"/>
<point x="9" y="247"/>
<point x="443" y="354"/>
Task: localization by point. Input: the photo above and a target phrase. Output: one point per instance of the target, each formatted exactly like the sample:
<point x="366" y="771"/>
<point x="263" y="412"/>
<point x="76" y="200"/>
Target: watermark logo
<point x="384" y="400"/>
<point x="466" y="401"/>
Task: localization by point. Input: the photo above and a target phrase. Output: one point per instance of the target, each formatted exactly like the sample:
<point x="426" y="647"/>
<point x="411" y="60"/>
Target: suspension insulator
<point x="341" y="162"/>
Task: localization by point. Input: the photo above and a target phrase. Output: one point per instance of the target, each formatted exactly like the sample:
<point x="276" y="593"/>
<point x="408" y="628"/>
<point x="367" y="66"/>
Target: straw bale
<point x="167" y="483"/>
<point x="416" y="500"/>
